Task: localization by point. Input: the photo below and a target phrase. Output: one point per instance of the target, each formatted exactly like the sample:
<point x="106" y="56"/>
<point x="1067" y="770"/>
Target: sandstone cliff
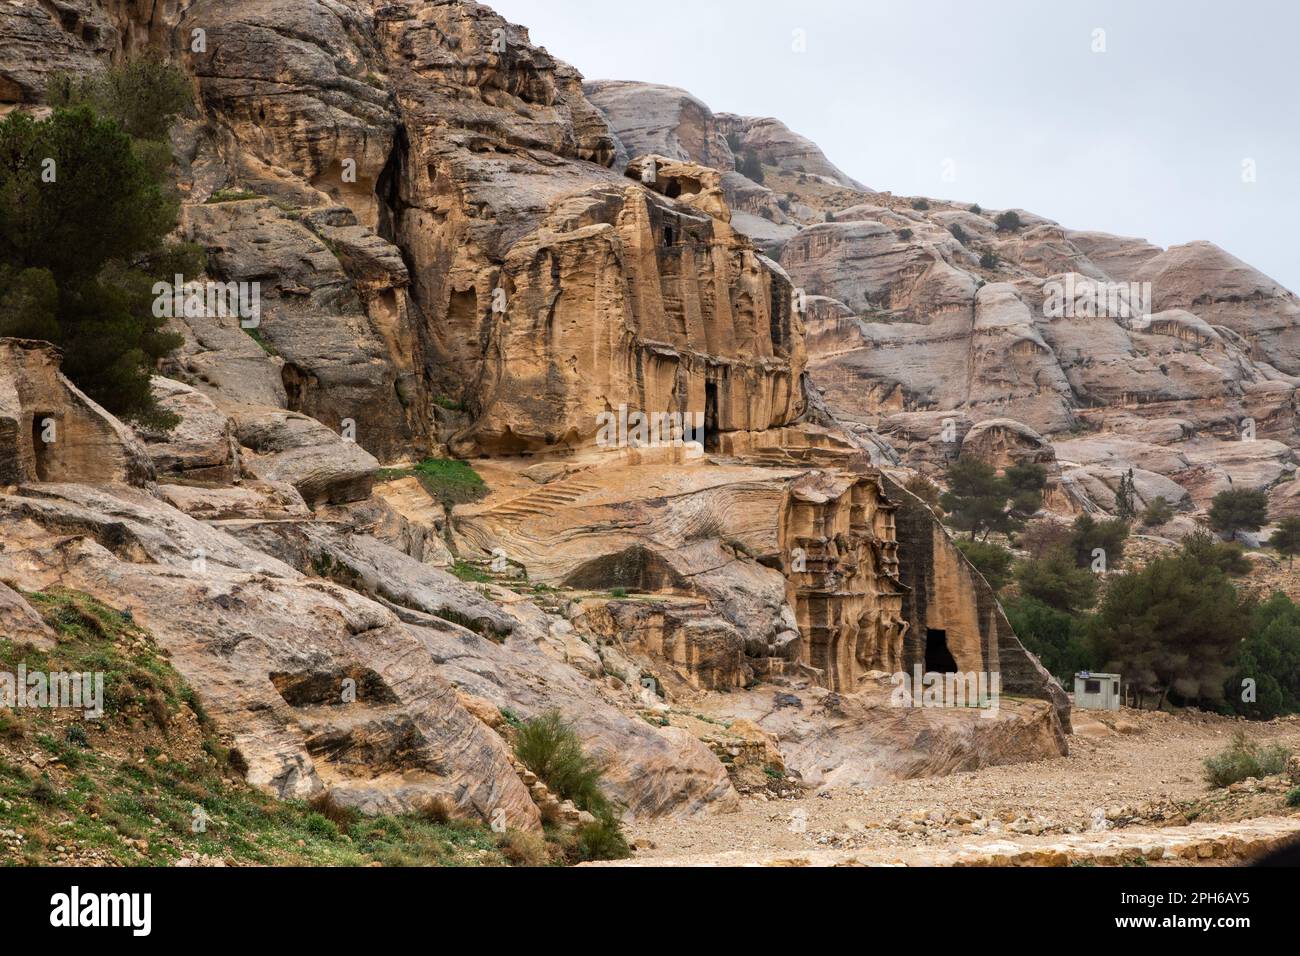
<point x="457" y="255"/>
<point x="952" y="329"/>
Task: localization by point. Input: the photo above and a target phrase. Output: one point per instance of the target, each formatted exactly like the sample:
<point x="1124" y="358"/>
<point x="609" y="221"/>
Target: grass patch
<point x="548" y="746"/>
<point x="469" y="572"/>
<point x="230" y="195"/>
<point x="450" y="481"/>
<point x="151" y="782"/>
<point x="1244" y="758"/>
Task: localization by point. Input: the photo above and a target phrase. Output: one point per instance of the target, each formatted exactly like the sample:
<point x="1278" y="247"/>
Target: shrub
<point x="977" y="210"/>
<point x="602" y="840"/>
<point x="920" y="205"/>
<point x="1270" y="656"/>
<point x="1238" y="509"/>
<point x="1293" y="798"/>
<point x="548" y="746"/>
<point x="1158" y="513"/>
<point x="43" y="792"/>
<point x="1286" y="539"/>
<point x="522" y="848"/>
<point x="925" y="489"/>
<point x="1042" y="537"/>
<point x="79" y="255"/>
<point x="905" y="235"/>
<point x="991" y="560"/>
<point x="1244" y="758"/>
<point x="959" y="233"/>
<point x="1058" y="639"/>
<point x="1227" y="556"/>
<point x="1089" y="535"/>
<point x="1058" y="582"/>
<point x="1008" y="221"/>
<point x="143" y="96"/>
<point x="319" y="825"/>
<point x="1173" y="627"/>
<point x="12" y="727"/>
<point x="989" y="259"/>
<point x="325" y="805"/>
<point x="976" y="499"/>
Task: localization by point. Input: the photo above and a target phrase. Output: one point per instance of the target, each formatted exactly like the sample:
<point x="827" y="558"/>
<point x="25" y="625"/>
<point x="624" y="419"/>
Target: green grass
<point x="230" y="195"/>
<point x="1293" y="798"/>
<point x="549" y="747"/>
<point x="142" y="773"/>
<point x="468" y="572"/>
<point x="451" y="481"/>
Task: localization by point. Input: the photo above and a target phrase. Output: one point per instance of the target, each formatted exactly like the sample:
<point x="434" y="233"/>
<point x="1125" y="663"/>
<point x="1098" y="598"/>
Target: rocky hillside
<point x="417" y="501"/>
<point x="950" y="328"/>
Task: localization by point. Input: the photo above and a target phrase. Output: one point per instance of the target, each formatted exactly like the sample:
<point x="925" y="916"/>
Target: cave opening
<point x="40" y="447"/>
<point x="711" y="416"/>
<point x="938" y="657"/>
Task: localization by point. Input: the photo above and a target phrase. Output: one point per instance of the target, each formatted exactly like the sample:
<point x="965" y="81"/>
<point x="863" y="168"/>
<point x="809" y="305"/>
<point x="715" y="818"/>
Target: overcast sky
<point x="1146" y="139"/>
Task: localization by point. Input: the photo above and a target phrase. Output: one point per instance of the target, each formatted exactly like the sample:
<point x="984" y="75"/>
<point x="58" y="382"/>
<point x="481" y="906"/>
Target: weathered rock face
<point x="50" y="431"/>
<point x="201" y="446"/>
<point x="452" y="250"/>
<point x="854" y="594"/>
<point x="779" y="146"/>
<point x="953" y="614"/>
<point x="927" y="318"/>
<point x="332" y="309"/>
<point x="865" y="739"/>
<point x="838" y="536"/>
<point x="648" y="118"/>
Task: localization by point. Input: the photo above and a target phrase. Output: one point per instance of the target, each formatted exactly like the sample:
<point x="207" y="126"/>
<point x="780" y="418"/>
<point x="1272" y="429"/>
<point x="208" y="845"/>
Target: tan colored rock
<point x="20" y="624"/>
<point x="202" y="446"/>
<point x="288" y="447"/>
<point x="50" y="431"/>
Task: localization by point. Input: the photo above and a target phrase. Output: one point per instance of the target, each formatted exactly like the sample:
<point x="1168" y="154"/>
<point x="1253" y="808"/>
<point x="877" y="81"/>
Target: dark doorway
<point x="711" y="416"/>
<point x="938" y="659"/>
<point x="668" y="236"/>
<point x="40" y="447"/>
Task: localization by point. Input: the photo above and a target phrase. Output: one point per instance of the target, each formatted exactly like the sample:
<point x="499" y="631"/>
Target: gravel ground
<point x="1137" y="778"/>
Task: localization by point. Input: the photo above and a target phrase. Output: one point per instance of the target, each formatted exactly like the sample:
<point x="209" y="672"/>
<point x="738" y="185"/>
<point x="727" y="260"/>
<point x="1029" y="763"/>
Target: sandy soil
<point x="1138" y="769"/>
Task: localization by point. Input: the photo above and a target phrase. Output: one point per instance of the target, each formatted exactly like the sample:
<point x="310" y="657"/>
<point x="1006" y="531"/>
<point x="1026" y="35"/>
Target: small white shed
<point x="1097" y="691"/>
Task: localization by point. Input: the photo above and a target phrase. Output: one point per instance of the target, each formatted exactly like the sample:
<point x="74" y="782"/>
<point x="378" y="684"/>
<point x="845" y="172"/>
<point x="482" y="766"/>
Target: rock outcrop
<point x="455" y="248"/>
<point x="50" y="431"/>
<point x="928" y="318"/>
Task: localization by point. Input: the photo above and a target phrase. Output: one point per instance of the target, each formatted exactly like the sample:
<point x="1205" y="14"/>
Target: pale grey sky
<point x="1146" y="139"/>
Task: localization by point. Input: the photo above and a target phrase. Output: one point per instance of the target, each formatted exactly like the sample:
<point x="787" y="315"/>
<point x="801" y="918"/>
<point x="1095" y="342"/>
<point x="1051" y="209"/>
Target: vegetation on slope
<point x="85" y="216"/>
<point x="151" y="784"/>
<point x="449" y="480"/>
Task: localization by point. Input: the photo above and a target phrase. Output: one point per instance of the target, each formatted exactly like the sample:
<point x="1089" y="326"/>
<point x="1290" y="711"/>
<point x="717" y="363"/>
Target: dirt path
<point x="1144" y="778"/>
